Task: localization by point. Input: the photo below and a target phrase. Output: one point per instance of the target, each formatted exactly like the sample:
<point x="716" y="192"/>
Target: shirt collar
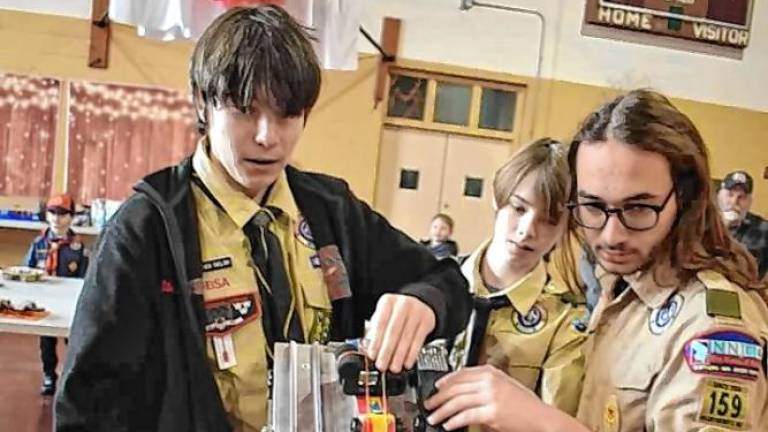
<point x="522" y="294"/>
<point x="236" y="204"/>
<point x="643" y="283"/>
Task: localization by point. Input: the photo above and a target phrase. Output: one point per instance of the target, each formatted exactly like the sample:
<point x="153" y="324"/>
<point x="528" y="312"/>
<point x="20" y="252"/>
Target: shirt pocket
<point x="518" y="355"/>
<point x="316" y="313"/>
<point x="633" y="385"/>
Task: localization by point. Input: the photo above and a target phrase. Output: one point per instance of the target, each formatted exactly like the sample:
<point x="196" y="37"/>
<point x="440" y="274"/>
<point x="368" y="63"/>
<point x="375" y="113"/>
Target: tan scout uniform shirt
<point x="231" y="293"/>
<point x="534" y="340"/>
<point x="678" y="358"/>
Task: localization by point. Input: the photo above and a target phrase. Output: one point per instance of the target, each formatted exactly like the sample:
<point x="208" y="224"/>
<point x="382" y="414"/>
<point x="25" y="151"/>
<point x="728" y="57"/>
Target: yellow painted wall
<point x="737" y="138"/>
<point x="341" y="137"/>
<point x="343" y="131"/>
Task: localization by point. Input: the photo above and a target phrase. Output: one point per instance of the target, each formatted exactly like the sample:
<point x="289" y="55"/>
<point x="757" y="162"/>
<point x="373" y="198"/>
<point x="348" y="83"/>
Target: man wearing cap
<point x="60" y="252"/>
<point x="735" y="200"/>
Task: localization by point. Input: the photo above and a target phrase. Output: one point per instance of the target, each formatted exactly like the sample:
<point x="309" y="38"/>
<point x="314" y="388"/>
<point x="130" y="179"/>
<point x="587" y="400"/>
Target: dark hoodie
<point x="137" y="356"/>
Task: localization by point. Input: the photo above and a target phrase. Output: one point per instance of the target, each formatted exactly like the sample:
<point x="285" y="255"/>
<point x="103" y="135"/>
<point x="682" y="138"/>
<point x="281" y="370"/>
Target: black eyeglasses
<point x="636" y="217"/>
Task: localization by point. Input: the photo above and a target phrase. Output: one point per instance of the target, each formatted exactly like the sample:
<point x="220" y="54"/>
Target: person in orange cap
<point x="60" y="252"/>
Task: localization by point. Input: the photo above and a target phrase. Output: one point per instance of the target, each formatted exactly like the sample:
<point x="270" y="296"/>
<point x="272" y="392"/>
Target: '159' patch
<point x="724" y="404"/>
<point x="727" y="353"/>
<point x="226" y="315"/>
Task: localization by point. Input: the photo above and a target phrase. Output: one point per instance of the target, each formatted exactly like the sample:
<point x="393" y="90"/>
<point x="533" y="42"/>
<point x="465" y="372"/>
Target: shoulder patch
<point x="727" y="353"/>
<point x="723" y="303"/>
<point x="724" y="403"/>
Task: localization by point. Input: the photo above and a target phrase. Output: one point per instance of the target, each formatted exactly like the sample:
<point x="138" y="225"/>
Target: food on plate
<point x="19" y="307"/>
<point x="24" y="274"/>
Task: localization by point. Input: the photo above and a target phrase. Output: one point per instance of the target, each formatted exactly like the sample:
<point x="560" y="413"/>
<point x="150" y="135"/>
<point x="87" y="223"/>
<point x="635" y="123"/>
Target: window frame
<point x="476" y="86"/>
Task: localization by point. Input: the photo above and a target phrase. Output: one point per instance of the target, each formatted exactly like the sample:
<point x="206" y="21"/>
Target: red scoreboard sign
<point x="720" y="22"/>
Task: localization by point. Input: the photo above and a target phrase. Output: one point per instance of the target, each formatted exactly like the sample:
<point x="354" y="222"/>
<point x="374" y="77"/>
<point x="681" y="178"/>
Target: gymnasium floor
<point x="22" y="408"/>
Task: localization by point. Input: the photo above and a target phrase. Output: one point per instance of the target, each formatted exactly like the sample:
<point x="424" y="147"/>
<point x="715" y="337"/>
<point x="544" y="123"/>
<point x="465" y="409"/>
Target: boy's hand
<point x="399" y="328"/>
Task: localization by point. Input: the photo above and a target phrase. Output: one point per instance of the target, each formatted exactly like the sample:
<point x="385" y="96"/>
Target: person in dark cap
<point x="735" y="200"/>
<point x="60" y="252"/>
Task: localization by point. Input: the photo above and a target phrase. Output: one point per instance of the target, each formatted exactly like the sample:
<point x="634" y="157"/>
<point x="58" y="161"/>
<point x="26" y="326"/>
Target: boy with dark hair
<point x="213" y="261"/>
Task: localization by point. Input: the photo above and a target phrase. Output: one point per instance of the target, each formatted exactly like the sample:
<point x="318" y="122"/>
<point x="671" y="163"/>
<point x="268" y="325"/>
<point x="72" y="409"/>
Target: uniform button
<point x="579" y="326"/>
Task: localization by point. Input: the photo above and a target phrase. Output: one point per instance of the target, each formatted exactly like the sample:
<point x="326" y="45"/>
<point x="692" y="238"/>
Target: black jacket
<point x="136" y="359"/>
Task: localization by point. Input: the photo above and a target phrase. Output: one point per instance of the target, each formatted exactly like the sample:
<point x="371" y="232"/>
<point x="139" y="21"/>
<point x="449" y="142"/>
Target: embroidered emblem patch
<point x="72" y="266"/>
<point x="531" y="322"/>
<point x="215" y="283"/>
<point x="167" y="287"/>
<point x="217" y="264"/>
<point x="611" y="415"/>
<point x="662" y="317"/>
<point x="304" y="234"/>
<point x="334" y="272"/>
<point x="226" y="315"/>
<point x="725" y="353"/>
<point x="724" y="404"/>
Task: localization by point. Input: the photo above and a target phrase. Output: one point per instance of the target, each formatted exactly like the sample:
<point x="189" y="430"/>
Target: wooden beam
<point x="98" y="55"/>
<point x="390" y="42"/>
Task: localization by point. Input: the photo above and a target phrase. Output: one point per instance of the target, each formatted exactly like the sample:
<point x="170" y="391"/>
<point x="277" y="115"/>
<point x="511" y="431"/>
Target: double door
<point x="422" y="173"/>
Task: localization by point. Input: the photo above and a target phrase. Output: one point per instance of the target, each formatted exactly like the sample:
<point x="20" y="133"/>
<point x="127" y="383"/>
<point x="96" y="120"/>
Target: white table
<point x="57" y="295"/>
<point x="39" y="226"/>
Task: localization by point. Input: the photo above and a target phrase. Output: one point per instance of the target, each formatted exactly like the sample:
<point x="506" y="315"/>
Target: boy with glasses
<point x="677" y="338"/>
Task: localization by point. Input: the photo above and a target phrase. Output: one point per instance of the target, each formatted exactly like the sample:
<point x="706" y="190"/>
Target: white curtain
<point x="335" y="22"/>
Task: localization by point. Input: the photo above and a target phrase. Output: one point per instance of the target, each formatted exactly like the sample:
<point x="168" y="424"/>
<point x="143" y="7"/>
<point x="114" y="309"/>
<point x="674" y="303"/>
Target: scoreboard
<point x="720" y="22"/>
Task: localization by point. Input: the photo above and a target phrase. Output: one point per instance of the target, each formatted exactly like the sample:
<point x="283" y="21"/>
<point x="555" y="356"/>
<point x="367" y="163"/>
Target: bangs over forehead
<point x="545" y="159"/>
<point x="256" y="54"/>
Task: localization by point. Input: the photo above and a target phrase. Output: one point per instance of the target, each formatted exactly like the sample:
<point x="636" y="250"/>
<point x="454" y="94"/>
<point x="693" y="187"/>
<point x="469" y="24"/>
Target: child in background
<point x="439" y="241"/>
<point x="60" y="252"/>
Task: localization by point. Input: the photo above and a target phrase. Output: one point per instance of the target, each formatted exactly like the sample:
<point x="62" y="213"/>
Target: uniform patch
<point x="662" y="317"/>
<point x="611" y="415"/>
<point x="72" y="266"/>
<point x="726" y="353"/>
<point x="531" y="322"/>
<point x="217" y="264"/>
<point x="226" y="315"/>
<point x="167" y="287"/>
<point x="304" y="234"/>
<point x="724" y="404"/>
<point x="211" y="284"/>
<point x="334" y="273"/>
<point x="315" y="261"/>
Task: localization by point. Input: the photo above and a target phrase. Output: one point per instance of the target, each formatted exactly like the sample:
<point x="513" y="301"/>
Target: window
<point x="454" y="104"/>
<point x="409" y="179"/>
<point x="406" y="97"/>
<point x="473" y="187"/>
<point x="497" y="109"/>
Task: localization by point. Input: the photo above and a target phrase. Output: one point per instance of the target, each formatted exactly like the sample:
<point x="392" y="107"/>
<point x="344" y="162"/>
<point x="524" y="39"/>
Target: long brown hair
<point x="699" y="239"/>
